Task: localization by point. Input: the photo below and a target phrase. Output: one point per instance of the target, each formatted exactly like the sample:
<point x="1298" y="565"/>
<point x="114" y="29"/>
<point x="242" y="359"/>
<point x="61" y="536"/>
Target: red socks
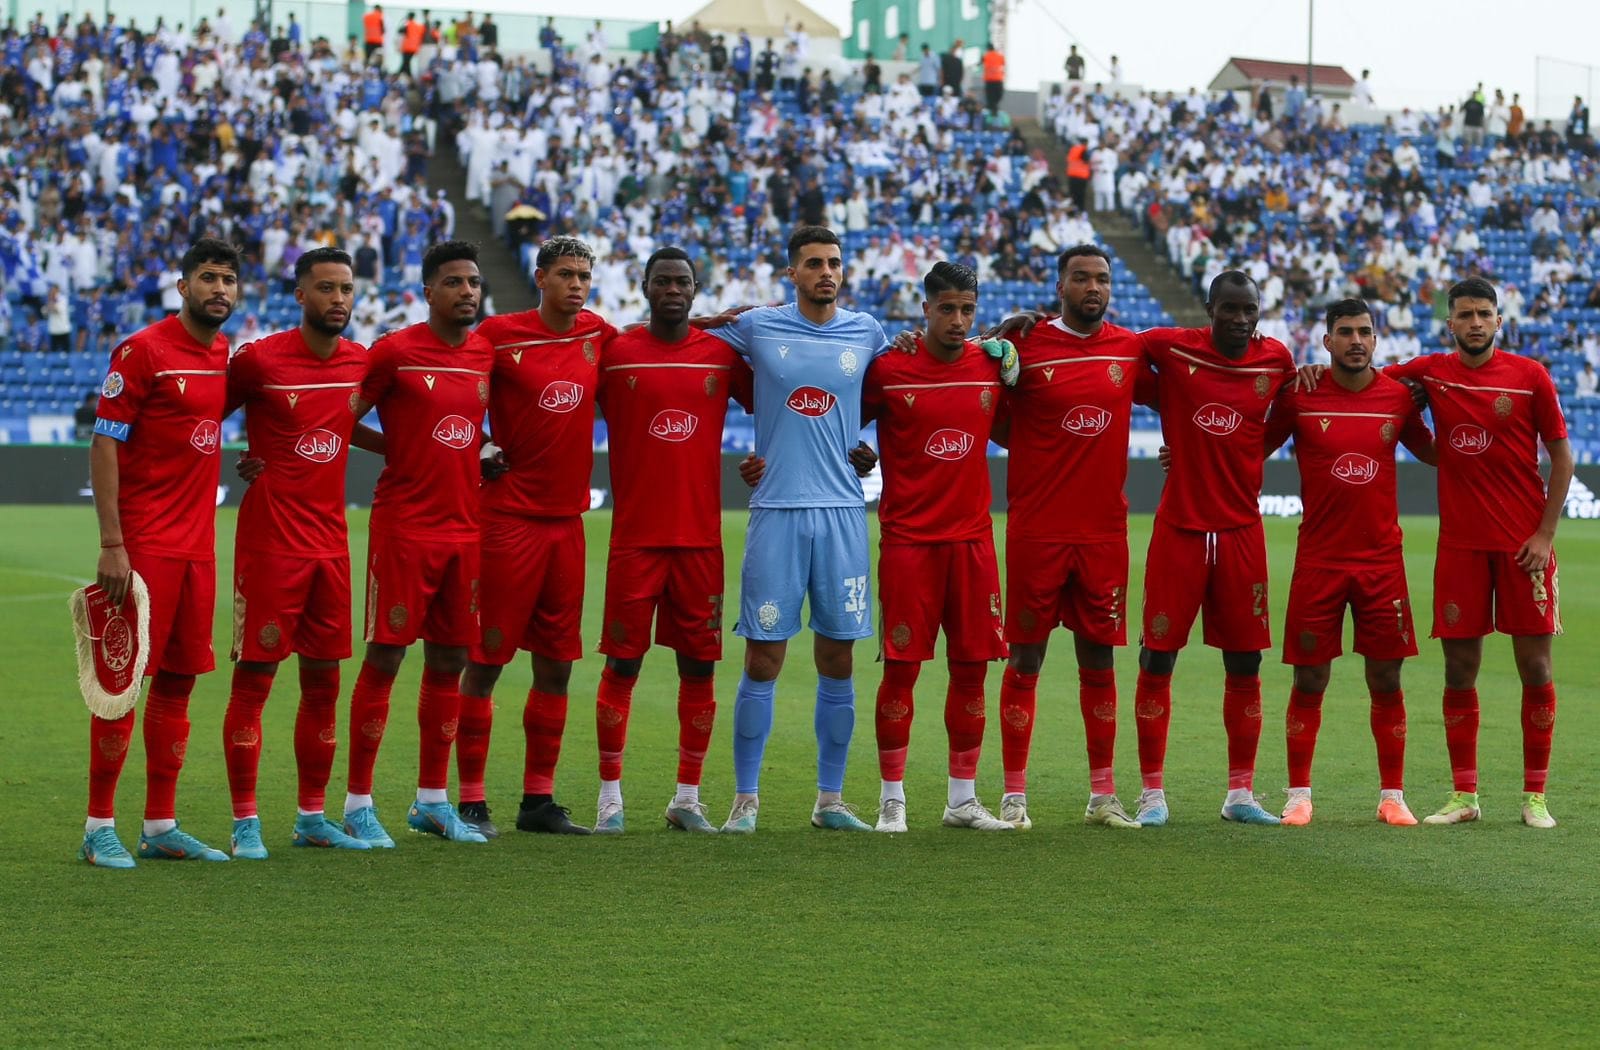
<point x="697" y="714"/>
<point x="894" y="712"/>
<point x="1300" y="724"/>
<point x="438" y="719"/>
<point x="612" y="704"/>
<point x="1152" y="709"/>
<point x="166" y="739"/>
<point x="1241" y="717"/>
<point x="316" y="734"/>
<point x="1019" y="701"/>
<point x="1389" y="734"/>
<point x="108" y="749"/>
<point x="544" y="719"/>
<point x="963" y="717"/>
<point x="1538" y="730"/>
<point x="1461" y="736"/>
<point x="369" y="715"/>
<point x="241" y="737"/>
<point x="1097" y="699"/>
<point x="472" y="745"/>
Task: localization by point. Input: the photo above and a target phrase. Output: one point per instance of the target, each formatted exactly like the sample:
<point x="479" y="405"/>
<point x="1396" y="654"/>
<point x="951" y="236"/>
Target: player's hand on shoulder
<point x="1164" y="457"/>
<point x="751" y="469"/>
<point x="863" y="458"/>
<point x="249" y="467"/>
<point x="1004" y="351"/>
<point x="718" y="320"/>
<point x="113" y="572"/>
<point x="906" y="341"/>
<point x="492" y="463"/>
<point x="1309" y="376"/>
<point x="1017" y="326"/>
<point x="1418" y="392"/>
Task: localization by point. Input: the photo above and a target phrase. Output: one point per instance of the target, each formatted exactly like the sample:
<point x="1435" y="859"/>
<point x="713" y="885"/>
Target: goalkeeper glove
<point x="1003" y="351"/>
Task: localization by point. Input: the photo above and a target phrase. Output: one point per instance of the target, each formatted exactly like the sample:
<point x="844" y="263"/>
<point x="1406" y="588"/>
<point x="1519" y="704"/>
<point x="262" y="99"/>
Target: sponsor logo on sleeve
<point x="1355" y="469"/>
<point x="1086" y="421"/>
<point x="811" y="401"/>
<point x="455" y="432"/>
<point x="319" y="446"/>
<point x="1217" y="419"/>
<point x="949" y="444"/>
<point x="561" y="396"/>
<point x="673" y="424"/>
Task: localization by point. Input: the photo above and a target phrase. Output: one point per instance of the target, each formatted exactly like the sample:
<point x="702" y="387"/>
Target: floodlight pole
<point x="1311" y="19"/>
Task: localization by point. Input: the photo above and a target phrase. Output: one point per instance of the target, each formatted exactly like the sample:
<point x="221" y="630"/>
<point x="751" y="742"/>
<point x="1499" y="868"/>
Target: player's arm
<point x="742" y="384"/>
<point x="1000" y="429"/>
<point x="1280" y="424"/>
<point x="1017" y="326"/>
<point x="113" y="570"/>
<point x="1418" y="439"/>
<point x="367" y="438"/>
<point x="1534" y="554"/>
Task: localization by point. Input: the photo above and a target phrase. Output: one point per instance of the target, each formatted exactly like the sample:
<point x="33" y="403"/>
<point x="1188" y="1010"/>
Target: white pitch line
<point x="76" y="581"/>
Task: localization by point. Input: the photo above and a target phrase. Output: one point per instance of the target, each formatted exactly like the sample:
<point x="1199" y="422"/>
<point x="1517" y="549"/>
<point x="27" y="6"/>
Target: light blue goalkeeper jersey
<point x="808" y="381"/>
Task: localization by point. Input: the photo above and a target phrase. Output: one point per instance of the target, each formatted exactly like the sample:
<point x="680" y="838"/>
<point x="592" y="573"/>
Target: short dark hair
<point x="805" y="235"/>
<point x="949" y="277"/>
<point x="670" y="254"/>
<point x="1472" y="288"/>
<point x="1231" y="279"/>
<point x="1346" y="308"/>
<point x="446" y="252"/>
<point x="1078" y="251"/>
<point x="208" y="250"/>
<point x="560" y="247"/>
<point x="316" y="257"/>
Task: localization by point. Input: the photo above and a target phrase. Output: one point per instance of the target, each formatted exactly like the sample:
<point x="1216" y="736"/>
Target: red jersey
<point x="299" y="412"/>
<point x="162" y="401"/>
<point x="665" y="404"/>
<point x="1213" y="417"/>
<point x="1489" y="422"/>
<point x="430" y="398"/>
<point x="542" y="416"/>
<point x="934" y="420"/>
<point x="1345" y="442"/>
<point x="1069" y="415"/>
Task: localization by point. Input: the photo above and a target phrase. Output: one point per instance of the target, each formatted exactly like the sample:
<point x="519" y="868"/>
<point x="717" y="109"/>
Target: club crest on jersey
<point x="986" y="400"/>
<point x="674" y="424"/>
<point x="901" y="637"/>
<point x="849" y="363"/>
<point x="1353" y="468"/>
<point x="398" y="615"/>
<point x="1114" y="373"/>
<point x="767" y="616"/>
<point x="1217" y="419"/>
<point x="1470" y="439"/>
<point x="1086" y="421"/>
<point x="561" y="396"/>
<point x="483" y="391"/>
<point x="1502" y="407"/>
<point x="589" y="353"/>
<point x="113" y="386"/>
<point x="1452" y="613"/>
<point x="711" y="384"/>
<point x="1263" y="385"/>
<point x="269" y="636"/>
<point x="949" y="444"/>
<point x="1160" y="625"/>
<point x="319" y="446"/>
<point x="455" y="432"/>
<point x="1387" y="432"/>
<point x="811" y="401"/>
<point x="207" y="437"/>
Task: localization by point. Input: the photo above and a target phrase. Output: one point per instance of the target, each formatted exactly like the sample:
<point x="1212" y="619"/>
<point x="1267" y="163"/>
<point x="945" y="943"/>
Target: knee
<point x="762" y="661"/>
<point x="1383" y="676"/>
<point x="1534" y="669"/>
<point x="834" y="659"/>
<point x="385" y="658"/>
<point x="551" y="676"/>
<point x="624" y="668"/>
<point x="445" y="659"/>
<point x="1314" y="680"/>
<point x="692" y="668"/>
<point x="1157" y="663"/>
<point x="479" y="679"/>
<point x="1460" y="672"/>
<point x="1247" y="664"/>
<point x="1026" y="659"/>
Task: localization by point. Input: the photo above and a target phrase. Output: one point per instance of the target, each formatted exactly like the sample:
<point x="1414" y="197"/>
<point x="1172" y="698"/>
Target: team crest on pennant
<point x="483" y="391"/>
<point x="1263" y="386"/>
<point x="986" y="400"/>
<point x="1115" y="374"/>
<point x="1502" y="406"/>
<point x="1387" y="432"/>
<point x="1160" y="625"/>
<point x="711" y="384"/>
<point x="901" y="635"/>
<point x="397" y="616"/>
<point x="269" y="636"/>
<point x="589" y="354"/>
<point x="113" y="644"/>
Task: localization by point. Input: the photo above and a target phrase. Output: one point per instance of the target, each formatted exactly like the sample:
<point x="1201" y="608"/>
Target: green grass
<point x="1342" y="933"/>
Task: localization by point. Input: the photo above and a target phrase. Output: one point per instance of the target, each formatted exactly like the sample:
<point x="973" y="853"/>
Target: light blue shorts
<point x="790" y="553"/>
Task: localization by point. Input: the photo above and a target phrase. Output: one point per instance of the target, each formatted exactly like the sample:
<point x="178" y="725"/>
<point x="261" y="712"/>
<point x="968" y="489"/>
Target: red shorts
<point x="1477" y="592"/>
<point x="680" y="586"/>
<point x="284" y="605"/>
<point x="183" y="599"/>
<point x="1224" y="573"/>
<point x="420" y="588"/>
<point x="532" y="588"/>
<point x="1313" y="628"/>
<point x="1081" y="586"/>
<point x="925" y="586"/>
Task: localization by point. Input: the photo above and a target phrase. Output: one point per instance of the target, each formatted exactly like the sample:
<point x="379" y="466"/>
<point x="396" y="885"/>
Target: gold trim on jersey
<point x="1240" y="369"/>
<point x="310" y="386"/>
<point x="429" y="368"/>
<point x="664" y="364"/>
<point x="192" y="372"/>
<point x="942" y="386"/>
<point x="572" y="338"/>
<point x="1075" y="360"/>
<point x="1469" y="386"/>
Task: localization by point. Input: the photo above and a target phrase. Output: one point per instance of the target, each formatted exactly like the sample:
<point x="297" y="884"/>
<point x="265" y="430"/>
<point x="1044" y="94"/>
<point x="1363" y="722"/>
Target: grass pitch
<point x="1345" y="932"/>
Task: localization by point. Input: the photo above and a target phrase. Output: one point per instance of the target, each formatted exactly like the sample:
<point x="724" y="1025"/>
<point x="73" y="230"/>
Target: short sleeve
<point x="872" y="392"/>
<point x="1157" y="341"/>
<point x="742" y="384"/>
<point x="243" y="378"/>
<point x="738" y="333"/>
<point x="380" y="372"/>
<point x="1414" y="432"/>
<point x="1415" y="369"/>
<point x="1280" y="422"/>
<point x="872" y="335"/>
<point x="1547" y="417"/>
<point x="123" y="392"/>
